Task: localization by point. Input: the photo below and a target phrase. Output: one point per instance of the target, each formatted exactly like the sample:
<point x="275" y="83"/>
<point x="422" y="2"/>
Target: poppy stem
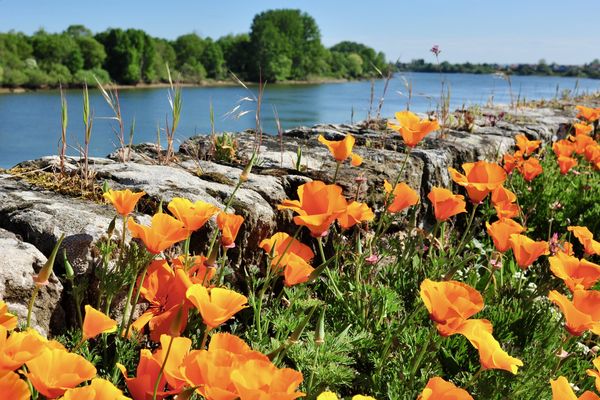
<point x="135" y="301"/>
<point x="462" y="243"/>
<point x="162" y="369"/>
<point x="417" y="362"/>
<point x="473" y="378"/>
<point x="204" y="338"/>
<point x="337" y="169"/>
<point x="321" y="250"/>
<point x="78" y="345"/>
<point x="36" y="289"/>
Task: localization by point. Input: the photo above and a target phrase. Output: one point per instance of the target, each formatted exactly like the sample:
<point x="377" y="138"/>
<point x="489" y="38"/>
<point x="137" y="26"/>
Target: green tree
<point x="236" y="52"/>
<point x="57" y="48"/>
<point x="189" y="49"/>
<point x="212" y="59"/>
<point x="165" y="55"/>
<point x="372" y="61"/>
<point x="92" y="51"/>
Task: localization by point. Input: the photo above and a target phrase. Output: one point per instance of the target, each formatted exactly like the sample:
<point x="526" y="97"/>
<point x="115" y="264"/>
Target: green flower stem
<point x="135" y="301"/>
<point x="337" y="169"/>
<point x="419" y="359"/>
<point x="36" y="289"/>
<point x="462" y="243"/>
<point x="162" y="369"/>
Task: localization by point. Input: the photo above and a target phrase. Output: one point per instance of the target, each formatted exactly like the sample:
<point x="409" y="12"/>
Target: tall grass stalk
<point x="111" y="96"/>
<point x="88" y="121"/>
<point x="64" y="120"/>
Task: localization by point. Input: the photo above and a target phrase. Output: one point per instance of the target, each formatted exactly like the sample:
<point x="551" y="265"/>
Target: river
<point x="30" y="122"/>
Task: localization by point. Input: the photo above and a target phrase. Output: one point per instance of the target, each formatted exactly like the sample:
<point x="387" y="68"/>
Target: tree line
<point x="590" y="70"/>
<point x="282" y="45"/>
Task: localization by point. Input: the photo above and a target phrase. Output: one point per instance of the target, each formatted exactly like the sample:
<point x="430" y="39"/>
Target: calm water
<point x="30" y="122"/>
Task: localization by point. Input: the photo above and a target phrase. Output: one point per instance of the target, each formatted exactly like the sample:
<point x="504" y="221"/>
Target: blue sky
<point x="505" y="31"/>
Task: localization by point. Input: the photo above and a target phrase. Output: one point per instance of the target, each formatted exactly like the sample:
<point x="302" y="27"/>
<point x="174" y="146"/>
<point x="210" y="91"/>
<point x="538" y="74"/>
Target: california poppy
<point x="525" y="145"/>
<point x="296" y="271"/>
<point x="500" y="232"/>
<point x="342" y="149"/>
<point x="290" y="255"/>
<point x="141" y="387"/>
<point x="403" y="196"/>
<point x="193" y="215"/>
<point x="582" y="129"/>
<point x="562" y="390"/>
<point x="530" y="169"/>
<point x="355" y="213"/>
<point x="197" y="268"/>
<point x="586" y="238"/>
<point x="163" y="232"/>
<point x="96" y="322"/>
<point x="412" y="128"/>
<point x="588" y="113"/>
<point x="512" y="161"/>
<point x="216" y="305"/>
<point x="445" y="203"/>
<point x="54" y="371"/>
<point x="439" y="389"/>
<point x="281" y="242"/>
<point x="565" y="164"/>
<point x="502" y="194"/>
<point x="7" y="320"/>
<point x="526" y="250"/>
<point x="592" y="153"/>
<point x="582" y="313"/>
<point x="13" y="387"/>
<point x="180" y="348"/>
<point x="124" y="201"/>
<point x="563" y="147"/>
<point x="450" y="303"/>
<point x="581" y="142"/>
<point x="19" y="347"/>
<point x="318" y="206"/>
<point x="99" y="389"/>
<point x="576" y="273"/>
<point x="506" y="209"/>
<point x="229" y="224"/>
<point x="480" y="178"/>
<point x="259" y="379"/>
<point x="595" y="372"/>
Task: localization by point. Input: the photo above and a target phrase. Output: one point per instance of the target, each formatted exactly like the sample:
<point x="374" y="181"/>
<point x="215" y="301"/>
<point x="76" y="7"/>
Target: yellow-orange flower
<point x="582" y="129"/>
<point x="525" y="145"/>
<point x="7" y="320"/>
<point x="592" y="153"/>
<point x="281" y="242"/>
<point x="12" y="387"/>
<point x="561" y="390"/>
<point x="480" y="178"/>
<point x="581" y="314"/>
<point x="581" y="142"/>
<point x="355" y="213"/>
<point x="530" y="169"/>
<point x="565" y="164"/>
<point x="445" y="203"/>
<point x="142" y="386"/>
<point x="193" y="215"/>
<point x="124" y="201"/>
<point x="54" y="371"/>
<point x="99" y="389"/>
<point x="586" y="238"/>
<point x="526" y="250"/>
<point x="500" y="232"/>
<point x="512" y="161"/>
<point x="229" y="224"/>
<point x="506" y="209"/>
<point x="163" y="232"/>
<point x="439" y="389"/>
<point x="588" y="113"/>
<point x="563" y="147"/>
<point x="180" y="348"/>
<point x="576" y="273"/>
<point x="342" y="149"/>
<point x="216" y="305"/>
<point x="96" y="322"/>
<point x="595" y="372"/>
<point x="412" y="128"/>
<point x="502" y="194"/>
<point x="318" y="206"/>
<point x="403" y="196"/>
<point x="258" y="379"/>
<point x="18" y="348"/>
<point x="450" y="303"/>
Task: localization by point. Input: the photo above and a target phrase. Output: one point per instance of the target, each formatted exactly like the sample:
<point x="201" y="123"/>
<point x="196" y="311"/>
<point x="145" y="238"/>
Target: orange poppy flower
<point x="565" y="164"/>
<point x="525" y="145"/>
<point x="296" y="269"/>
<point x="506" y="209"/>
<point x="526" y="250"/>
<point x="500" y="232"/>
<point x="216" y="305"/>
<point x="576" y="273"/>
<point x="7" y="320"/>
<point x="281" y="242"/>
<point x="412" y="128"/>
<point x="19" y="347"/>
<point x="491" y="354"/>
<point x="54" y="371"/>
<point x="439" y="389"/>
<point x="530" y="169"/>
<point x="502" y="194"/>
<point x="164" y="288"/>
<point x="586" y="238"/>
<point x="581" y="314"/>
<point x="582" y="129"/>
<point x="402" y="196"/>
<point x="229" y="224"/>
<point x="355" y="160"/>
<point x="563" y="147"/>
<point x="450" y="303"/>
<point x="480" y="178"/>
<point x="342" y="149"/>
<point x="124" y="201"/>
<point x="445" y="203"/>
<point x="588" y="113"/>
<point x="142" y="386"/>
<point x="592" y="153"/>
<point x="562" y="390"/>
<point x="180" y="348"/>
<point x="512" y="161"/>
<point x="13" y="387"/>
<point x="198" y="269"/>
<point x="318" y="206"/>
<point x="193" y="215"/>
<point x="96" y="322"/>
<point x="581" y="142"/>
<point x="595" y="373"/>
<point x="258" y="379"/>
<point x="355" y="213"/>
<point x="99" y="389"/>
<point x="163" y="232"/>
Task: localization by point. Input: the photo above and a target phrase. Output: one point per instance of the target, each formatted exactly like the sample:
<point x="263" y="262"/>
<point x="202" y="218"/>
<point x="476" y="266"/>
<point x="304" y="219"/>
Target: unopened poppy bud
<point x="111" y="227"/>
<point x="46" y="271"/>
<point x="247" y="169"/>
<point x="320" y="331"/>
<point x="105" y="187"/>
<point x="70" y="274"/>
